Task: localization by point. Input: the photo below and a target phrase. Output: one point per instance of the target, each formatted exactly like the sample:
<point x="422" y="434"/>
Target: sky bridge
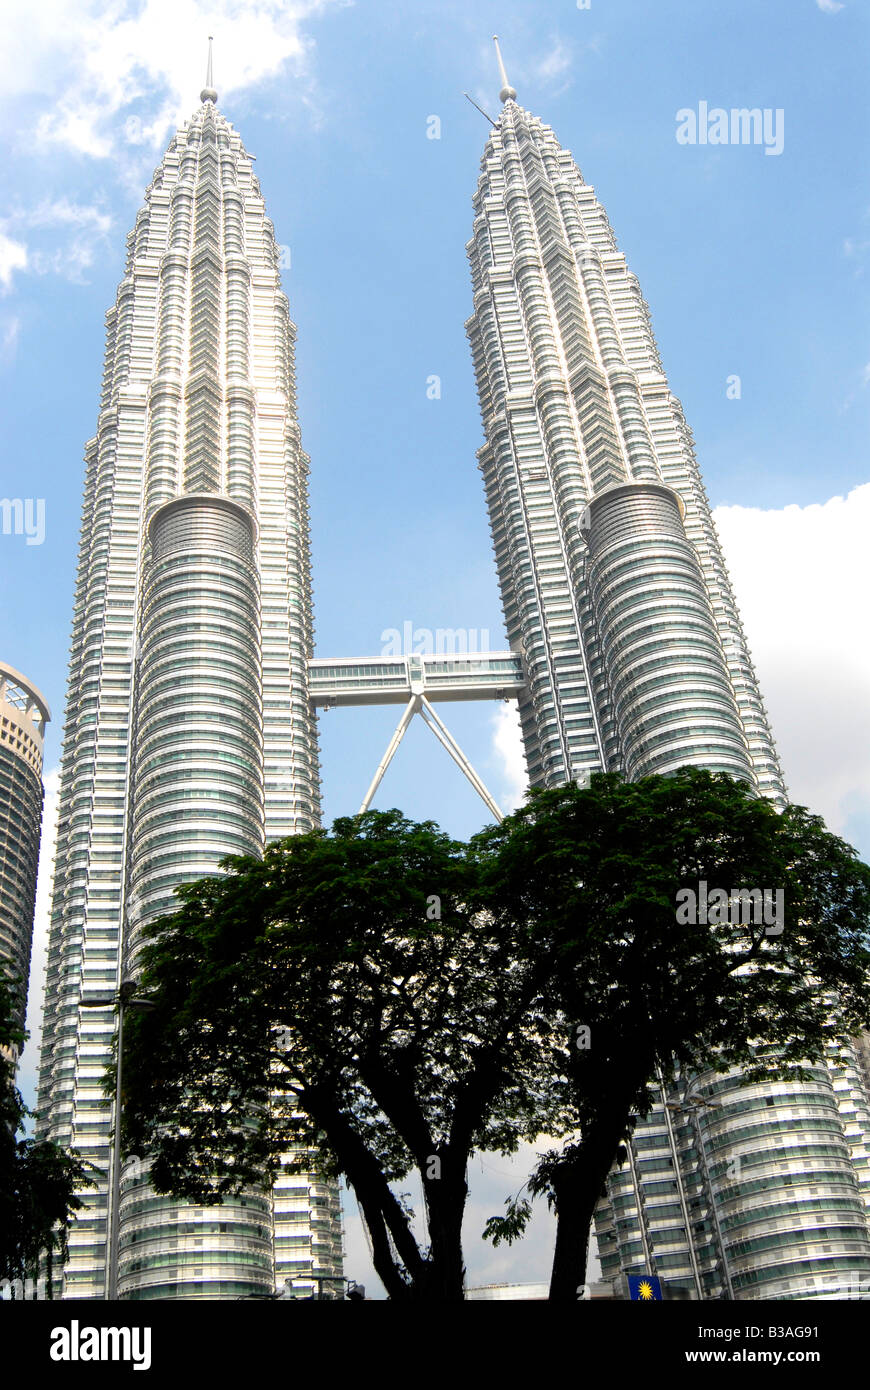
<point x="416" y="680"/>
<point x="392" y="680"/>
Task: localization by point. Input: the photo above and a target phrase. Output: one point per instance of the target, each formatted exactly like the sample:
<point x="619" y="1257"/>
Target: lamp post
<point x="126" y="998"/>
<point x="354" y="1293"/>
<point x="691" y="1104"/>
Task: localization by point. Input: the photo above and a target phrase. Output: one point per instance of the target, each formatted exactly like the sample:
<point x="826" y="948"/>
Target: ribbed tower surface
<point x="616" y="594"/>
<point x="189" y="734"/>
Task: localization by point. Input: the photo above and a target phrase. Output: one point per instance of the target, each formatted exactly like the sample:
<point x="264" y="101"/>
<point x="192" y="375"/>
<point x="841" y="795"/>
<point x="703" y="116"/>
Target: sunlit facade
<point x="617" y="599"/>
<point x="189" y="731"/>
<point x="23" y="717"/>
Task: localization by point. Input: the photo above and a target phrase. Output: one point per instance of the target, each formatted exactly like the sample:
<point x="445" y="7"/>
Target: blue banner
<point x="645" y="1288"/>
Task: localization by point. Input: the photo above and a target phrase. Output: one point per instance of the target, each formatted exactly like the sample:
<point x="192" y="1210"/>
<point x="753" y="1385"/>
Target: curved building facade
<point x="617" y="599"/>
<point x="190" y="734"/>
<point x="24" y="714"/>
<point x="664" y="677"/>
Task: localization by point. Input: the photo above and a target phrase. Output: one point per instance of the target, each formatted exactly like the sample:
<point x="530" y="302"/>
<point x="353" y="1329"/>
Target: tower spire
<point x="507" y="92"/>
<point x="208" y="92"/>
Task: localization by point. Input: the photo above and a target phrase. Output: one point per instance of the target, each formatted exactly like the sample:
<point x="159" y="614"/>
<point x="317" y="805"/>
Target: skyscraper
<point x="24" y="714"/>
<point x="616" y="595"/>
<point x="189" y="733"/>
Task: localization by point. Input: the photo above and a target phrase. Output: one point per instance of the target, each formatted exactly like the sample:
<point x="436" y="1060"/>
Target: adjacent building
<point x="617" y="598"/>
<point x="189" y="732"/>
<point x="24" y="714"/>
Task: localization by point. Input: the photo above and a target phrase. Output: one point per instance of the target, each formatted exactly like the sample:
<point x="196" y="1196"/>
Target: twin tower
<point x="191" y="725"/>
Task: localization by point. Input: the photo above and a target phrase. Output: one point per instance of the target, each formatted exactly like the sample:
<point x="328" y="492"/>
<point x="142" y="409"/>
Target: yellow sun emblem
<point x="645" y="1290"/>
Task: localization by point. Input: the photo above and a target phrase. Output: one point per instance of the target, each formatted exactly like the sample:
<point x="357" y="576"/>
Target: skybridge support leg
<point x="401" y="729"/>
<point x="442" y="733"/>
<point x="418" y="704"/>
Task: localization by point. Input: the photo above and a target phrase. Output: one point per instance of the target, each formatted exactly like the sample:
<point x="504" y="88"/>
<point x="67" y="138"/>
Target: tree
<point x="602" y="882"/>
<point x="11" y="1112"/>
<point x="383" y="999"/>
<point x="347" y="997"/>
<point x="38" y="1179"/>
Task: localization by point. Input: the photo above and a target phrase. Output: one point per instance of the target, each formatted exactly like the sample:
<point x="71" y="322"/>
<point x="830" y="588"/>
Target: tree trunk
<point x="382" y="1256"/>
<point x="445" y="1199"/>
<point x="573" y="1220"/>
<point x="576" y="1185"/>
<point x="385" y="1218"/>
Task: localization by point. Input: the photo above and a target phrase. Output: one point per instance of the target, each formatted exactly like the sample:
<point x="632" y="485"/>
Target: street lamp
<point x="692" y="1104"/>
<point x="126" y="998"/>
<point x="355" y="1292"/>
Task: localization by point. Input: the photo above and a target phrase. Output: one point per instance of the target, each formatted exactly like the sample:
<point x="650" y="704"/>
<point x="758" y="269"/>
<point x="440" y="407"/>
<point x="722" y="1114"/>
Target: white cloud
<point x="855" y="248"/>
<point x="30" y="1056"/>
<point x="802" y="575"/>
<point x="507" y="742"/>
<point x="95" y="60"/>
<point x="86" y="227"/>
<point x="10" y="331"/>
<point x="13" y="256"/>
<point x="108" y="81"/>
<point x="829" y="6"/>
<point x="75" y="128"/>
<point x="552" y="69"/>
<point x="70" y="261"/>
<point x="61" y="212"/>
<point x="554" y="64"/>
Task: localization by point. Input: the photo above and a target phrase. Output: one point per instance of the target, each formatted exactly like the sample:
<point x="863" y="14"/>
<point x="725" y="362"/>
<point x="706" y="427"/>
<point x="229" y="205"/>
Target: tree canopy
<point x="382" y="999"/>
<point x="595" y="877"/>
<point x="348" y="991"/>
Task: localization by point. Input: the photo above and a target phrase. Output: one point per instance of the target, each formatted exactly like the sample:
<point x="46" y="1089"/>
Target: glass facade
<point x="189" y="729"/>
<point x="23" y="717"/>
<point x="388" y="680"/>
<point x="617" y="600"/>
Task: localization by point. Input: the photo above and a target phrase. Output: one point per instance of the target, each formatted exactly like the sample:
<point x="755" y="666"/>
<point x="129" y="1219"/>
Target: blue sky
<point x="752" y="265"/>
